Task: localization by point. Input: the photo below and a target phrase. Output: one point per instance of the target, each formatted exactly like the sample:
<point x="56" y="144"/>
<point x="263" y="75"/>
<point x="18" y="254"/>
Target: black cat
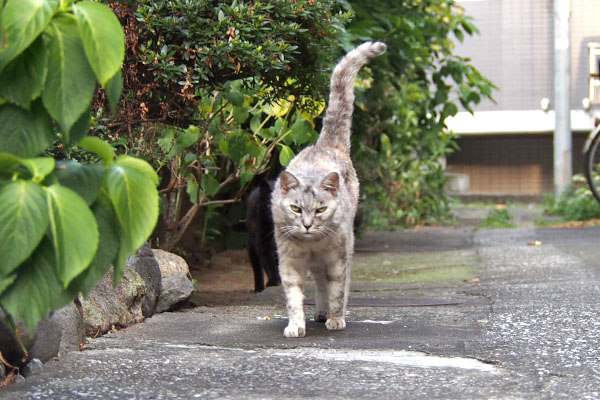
<point x="261" y="240"/>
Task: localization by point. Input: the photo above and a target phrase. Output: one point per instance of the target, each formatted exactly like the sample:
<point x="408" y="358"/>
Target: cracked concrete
<point x="521" y="322"/>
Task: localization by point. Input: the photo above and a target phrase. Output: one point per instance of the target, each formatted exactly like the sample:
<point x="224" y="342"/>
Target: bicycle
<point x="591" y="167"/>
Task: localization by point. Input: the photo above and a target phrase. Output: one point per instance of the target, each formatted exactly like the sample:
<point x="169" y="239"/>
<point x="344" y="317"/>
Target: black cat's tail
<point x="338" y="118"/>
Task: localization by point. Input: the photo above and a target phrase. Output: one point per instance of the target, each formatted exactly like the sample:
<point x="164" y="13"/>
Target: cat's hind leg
<point x="336" y="288"/>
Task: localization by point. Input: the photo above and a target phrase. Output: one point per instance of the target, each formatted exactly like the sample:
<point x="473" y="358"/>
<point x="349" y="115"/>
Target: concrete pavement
<point x="448" y="313"/>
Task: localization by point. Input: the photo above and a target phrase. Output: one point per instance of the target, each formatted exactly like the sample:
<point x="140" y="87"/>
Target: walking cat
<point x="261" y="240"/>
<point x="314" y="203"/>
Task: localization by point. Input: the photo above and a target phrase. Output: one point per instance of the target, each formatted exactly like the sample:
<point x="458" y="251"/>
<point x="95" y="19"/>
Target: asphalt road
<point x="520" y="321"/>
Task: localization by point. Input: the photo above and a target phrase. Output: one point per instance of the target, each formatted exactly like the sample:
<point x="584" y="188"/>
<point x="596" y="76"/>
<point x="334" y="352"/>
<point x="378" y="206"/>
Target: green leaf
<point x="135" y="199"/>
<point x="84" y="179"/>
<point x="108" y="247"/>
<point x="235" y="146"/>
<point x="184" y="140"/>
<point x="281" y="108"/>
<point x="189" y="158"/>
<point x="246" y="177"/>
<point x="240" y="114"/>
<point x="253" y="149"/>
<point x="166" y="143"/>
<point x="285" y="155"/>
<point x="113" y="89"/>
<point x="80" y="129"/>
<point x="37" y="290"/>
<point x="24" y="133"/>
<point x="73" y="231"/>
<point x="301" y="131"/>
<point x="8" y="163"/>
<point x="70" y="83"/>
<point x="386" y="144"/>
<point x="474" y="97"/>
<point x="6" y="282"/>
<point x="22" y="22"/>
<point x="223" y="145"/>
<point x="100" y="147"/>
<point x="103" y="38"/>
<point x="459" y="35"/>
<point x="255" y="123"/>
<point x="235" y="98"/>
<point x="23" y="222"/>
<point x="126" y="249"/>
<point x="210" y="185"/>
<point x="469" y="27"/>
<point x="192" y="188"/>
<point x="450" y="110"/>
<point x="140" y="165"/>
<point x="23" y="78"/>
<point x="39" y="167"/>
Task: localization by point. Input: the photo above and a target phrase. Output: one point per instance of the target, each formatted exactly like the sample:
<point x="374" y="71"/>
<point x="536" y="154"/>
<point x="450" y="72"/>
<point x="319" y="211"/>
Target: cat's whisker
<point x="288" y="231"/>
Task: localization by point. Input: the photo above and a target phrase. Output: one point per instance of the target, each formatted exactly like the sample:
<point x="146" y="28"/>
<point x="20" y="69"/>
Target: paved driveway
<point x="435" y="313"/>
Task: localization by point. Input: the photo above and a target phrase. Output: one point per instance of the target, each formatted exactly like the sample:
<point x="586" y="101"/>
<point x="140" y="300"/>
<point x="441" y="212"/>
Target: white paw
<point x="293" y="330"/>
<point x="336" y="324"/>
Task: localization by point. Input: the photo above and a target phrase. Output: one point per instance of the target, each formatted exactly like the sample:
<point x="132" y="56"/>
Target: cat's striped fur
<point x="314" y="204"/>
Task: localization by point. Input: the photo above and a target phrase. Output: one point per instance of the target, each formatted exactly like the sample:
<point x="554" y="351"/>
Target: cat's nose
<point x="307" y="226"/>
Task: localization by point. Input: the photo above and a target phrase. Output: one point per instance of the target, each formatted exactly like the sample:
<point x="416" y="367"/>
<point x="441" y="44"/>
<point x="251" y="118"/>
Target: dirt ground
<point x="228" y="271"/>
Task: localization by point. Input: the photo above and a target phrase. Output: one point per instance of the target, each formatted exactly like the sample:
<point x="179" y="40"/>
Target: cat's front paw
<point x="336" y="324"/>
<point x="294" y="331"/>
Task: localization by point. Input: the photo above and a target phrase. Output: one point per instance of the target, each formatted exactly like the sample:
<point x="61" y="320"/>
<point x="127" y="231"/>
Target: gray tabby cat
<point x="314" y="203"/>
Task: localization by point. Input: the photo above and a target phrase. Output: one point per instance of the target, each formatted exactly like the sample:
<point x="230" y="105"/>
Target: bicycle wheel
<point x="592" y="166"/>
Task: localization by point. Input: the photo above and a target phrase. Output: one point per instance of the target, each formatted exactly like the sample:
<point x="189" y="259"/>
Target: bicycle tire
<point x="592" y="166"/>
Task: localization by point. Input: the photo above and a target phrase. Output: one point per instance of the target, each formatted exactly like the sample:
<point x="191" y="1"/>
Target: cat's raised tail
<point x="338" y="118"/>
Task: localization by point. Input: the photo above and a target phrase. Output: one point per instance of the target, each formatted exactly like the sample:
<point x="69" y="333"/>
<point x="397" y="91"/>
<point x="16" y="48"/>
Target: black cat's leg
<point x="321" y="295"/>
<point x="272" y="267"/>
<point x="259" y="279"/>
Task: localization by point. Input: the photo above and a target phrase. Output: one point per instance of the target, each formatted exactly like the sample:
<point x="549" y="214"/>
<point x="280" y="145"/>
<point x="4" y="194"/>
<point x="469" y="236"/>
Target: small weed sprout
<point x="498" y="218"/>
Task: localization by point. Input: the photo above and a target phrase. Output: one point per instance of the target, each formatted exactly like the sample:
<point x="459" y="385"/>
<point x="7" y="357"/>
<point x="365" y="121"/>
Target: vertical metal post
<point x="563" y="169"/>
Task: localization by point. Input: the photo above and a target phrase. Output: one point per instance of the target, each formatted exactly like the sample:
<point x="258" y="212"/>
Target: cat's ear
<point x="331" y="183"/>
<point x="288" y="182"/>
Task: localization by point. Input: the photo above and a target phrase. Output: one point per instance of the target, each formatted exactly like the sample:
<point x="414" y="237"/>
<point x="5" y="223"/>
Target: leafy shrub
<point x="216" y="93"/>
<point x="400" y="138"/>
<point x="62" y="223"/>
<point x="213" y="162"/>
<point x="576" y="203"/>
<point x="178" y="50"/>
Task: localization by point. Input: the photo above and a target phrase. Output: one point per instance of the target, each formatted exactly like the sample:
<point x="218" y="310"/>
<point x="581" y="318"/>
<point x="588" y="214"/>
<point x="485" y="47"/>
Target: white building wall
<point x="514" y="50"/>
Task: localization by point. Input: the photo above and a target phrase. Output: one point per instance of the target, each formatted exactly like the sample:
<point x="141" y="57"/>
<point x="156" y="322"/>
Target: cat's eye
<point x="295" y="209"/>
<point x="321" y="210"/>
